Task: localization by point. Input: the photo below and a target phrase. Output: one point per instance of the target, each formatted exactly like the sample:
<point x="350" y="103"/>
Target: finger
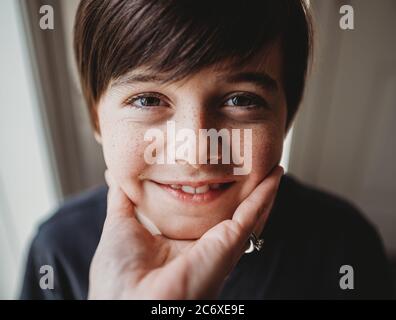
<point x="256" y="207"/>
<point x="262" y="221"/>
<point x="209" y="260"/>
<point x="118" y="204"/>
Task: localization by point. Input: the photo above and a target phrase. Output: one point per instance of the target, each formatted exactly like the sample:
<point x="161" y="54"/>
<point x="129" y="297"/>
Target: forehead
<point x="264" y="69"/>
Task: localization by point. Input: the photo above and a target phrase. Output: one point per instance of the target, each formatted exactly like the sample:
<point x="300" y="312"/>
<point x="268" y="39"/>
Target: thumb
<point x="259" y="203"/>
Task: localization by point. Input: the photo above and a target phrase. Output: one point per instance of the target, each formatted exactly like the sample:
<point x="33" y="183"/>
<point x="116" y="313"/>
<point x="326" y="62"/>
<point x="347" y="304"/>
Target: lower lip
<point x="206" y="197"/>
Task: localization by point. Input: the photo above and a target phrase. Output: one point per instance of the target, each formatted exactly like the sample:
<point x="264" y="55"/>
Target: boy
<point x="226" y="65"/>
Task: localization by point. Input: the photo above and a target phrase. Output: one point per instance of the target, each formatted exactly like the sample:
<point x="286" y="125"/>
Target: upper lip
<point x="194" y="184"/>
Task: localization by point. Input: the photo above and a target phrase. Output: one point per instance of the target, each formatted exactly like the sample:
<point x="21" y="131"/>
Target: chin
<point x="187" y="228"/>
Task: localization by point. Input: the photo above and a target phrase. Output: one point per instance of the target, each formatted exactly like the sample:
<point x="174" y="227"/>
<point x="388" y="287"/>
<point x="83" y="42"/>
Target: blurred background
<point x="343" y="139"/>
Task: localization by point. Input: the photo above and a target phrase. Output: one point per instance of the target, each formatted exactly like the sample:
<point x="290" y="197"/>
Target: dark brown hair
<point x="180" y="37"/>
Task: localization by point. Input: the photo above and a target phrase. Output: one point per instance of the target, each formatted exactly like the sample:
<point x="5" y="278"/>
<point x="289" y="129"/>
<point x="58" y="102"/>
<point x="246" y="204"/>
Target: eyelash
<point x="129" y="102"/>
<point x="258" y="101"/>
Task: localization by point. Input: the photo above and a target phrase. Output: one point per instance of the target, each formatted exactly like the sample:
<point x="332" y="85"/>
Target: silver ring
<point x="254" y="243"/>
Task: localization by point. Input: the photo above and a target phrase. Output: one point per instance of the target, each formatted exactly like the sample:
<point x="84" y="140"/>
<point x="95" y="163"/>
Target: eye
<point x="145" y="101"/>
<point x="245" y="100"/>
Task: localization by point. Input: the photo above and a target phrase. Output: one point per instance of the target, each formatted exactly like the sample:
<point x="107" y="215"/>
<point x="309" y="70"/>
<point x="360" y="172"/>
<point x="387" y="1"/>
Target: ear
<point x="98" y="137"/>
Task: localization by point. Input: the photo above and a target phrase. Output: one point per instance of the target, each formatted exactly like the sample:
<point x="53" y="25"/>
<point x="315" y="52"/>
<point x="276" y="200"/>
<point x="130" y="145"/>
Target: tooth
<point x="202" y="189"/>
<point x="175" y="186"/>
<point x="214" y="186"/>
<point x="188" y="189"/>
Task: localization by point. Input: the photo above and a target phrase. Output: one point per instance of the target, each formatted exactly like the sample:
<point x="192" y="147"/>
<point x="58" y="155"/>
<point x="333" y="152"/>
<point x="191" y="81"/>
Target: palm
<point x="163" y="264"/>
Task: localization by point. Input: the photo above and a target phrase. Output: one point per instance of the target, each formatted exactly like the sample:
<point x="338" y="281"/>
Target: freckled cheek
<point x="123" y="149"/>
<point x="266" y="153"/>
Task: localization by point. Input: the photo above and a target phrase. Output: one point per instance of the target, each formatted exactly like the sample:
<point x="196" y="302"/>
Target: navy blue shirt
<point x="309" y="236"/>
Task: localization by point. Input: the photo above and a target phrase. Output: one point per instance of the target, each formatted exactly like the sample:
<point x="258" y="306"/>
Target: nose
<point x="192" y="145"/>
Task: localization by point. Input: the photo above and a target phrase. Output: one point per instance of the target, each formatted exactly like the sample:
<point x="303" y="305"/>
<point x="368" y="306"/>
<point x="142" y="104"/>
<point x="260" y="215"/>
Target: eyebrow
<point x="262" y="80"/>
<point x="131" y="78"/>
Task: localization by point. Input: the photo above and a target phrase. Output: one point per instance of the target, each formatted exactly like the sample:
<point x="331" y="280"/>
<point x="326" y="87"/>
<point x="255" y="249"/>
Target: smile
<point x="198" y="192"/>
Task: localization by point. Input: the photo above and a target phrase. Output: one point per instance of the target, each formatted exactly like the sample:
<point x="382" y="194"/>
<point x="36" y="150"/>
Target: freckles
<point x="124" y="148"/>
<point x="267" y="149"/>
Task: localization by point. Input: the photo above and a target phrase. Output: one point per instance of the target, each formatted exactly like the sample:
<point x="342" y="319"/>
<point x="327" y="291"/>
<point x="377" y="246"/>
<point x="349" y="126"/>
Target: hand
<point x="130" y="263"/>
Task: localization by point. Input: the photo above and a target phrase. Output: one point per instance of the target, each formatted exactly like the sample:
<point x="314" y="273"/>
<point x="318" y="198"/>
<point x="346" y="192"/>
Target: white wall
<point x="27" y="191"/>
<point x="343" y="138"/>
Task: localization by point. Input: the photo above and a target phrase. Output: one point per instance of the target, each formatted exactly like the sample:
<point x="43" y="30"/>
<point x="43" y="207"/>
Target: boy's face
<point x="212" y="98"/>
